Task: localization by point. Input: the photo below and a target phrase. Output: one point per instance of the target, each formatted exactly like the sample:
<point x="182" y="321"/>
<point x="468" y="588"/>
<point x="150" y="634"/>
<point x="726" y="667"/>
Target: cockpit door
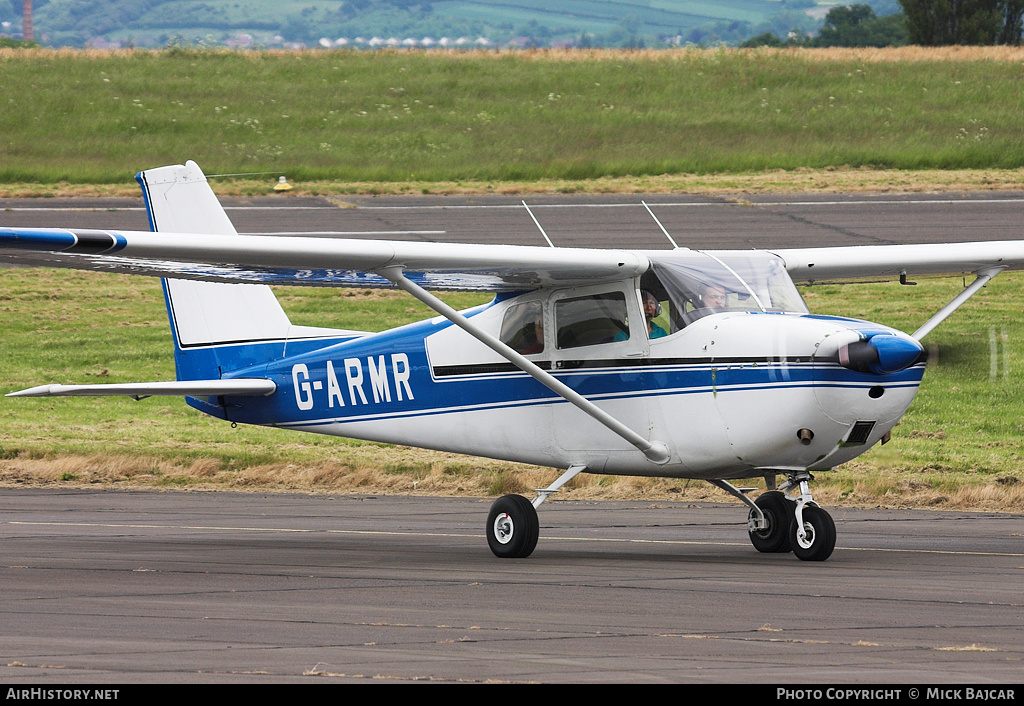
<point x="598" y="340"/>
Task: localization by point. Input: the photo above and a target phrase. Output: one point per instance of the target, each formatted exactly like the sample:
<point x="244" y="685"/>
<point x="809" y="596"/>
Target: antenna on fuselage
<point x="659" y="225"/>
<point x="538" y="224"/>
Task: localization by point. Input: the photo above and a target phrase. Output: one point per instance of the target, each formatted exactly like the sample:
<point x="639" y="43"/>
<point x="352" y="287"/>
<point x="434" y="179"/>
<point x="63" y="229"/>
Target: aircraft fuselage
<point x="729" y="394"/>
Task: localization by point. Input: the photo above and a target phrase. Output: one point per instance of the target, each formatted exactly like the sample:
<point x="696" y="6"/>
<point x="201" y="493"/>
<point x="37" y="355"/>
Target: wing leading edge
<point x="316" y="261"/>
<point x="446" y="266"/>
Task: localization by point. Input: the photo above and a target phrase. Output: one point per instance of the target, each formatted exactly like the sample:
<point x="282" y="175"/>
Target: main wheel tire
<point x="820" y="533"/>
<point x="778" y="513"/>
<point x="512" y="527"/>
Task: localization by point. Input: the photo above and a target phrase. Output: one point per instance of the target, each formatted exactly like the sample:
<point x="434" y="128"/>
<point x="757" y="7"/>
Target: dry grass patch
<point x="396" y="470"/>
<point x="778" y="181"/>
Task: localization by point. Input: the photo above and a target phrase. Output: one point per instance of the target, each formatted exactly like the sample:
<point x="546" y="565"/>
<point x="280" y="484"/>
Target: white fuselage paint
<point x="728" y="395"/>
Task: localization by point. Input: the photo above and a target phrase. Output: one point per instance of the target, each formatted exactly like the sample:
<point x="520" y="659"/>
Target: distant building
<point x="102" y="43"/>
<point x="240" y="41"/>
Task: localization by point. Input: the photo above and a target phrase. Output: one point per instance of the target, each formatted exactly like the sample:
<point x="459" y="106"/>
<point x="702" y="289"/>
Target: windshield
<point x="702" y="283"/>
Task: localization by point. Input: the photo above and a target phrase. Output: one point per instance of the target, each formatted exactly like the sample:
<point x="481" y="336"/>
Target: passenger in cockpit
<point x="535" y="339"/>
<point x="714" y="296"/>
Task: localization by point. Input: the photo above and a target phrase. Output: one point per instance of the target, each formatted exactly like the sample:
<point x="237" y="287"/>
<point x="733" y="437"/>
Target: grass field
<point x="959" y="446"/>
<point x="96" y="117"/>
<point x="340" y="122"/>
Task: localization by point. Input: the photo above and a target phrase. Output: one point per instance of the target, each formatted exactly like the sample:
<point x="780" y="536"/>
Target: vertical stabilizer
<point x="216" y="327"/>
<point x="179" y="200"/>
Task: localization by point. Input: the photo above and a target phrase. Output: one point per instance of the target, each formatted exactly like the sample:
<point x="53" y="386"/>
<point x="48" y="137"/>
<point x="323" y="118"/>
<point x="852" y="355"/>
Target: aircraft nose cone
<point x="880" y="354"/>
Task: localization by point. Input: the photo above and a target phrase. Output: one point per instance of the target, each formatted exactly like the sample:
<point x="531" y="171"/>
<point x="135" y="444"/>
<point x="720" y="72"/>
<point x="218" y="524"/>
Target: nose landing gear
<point x="803" y="527"/>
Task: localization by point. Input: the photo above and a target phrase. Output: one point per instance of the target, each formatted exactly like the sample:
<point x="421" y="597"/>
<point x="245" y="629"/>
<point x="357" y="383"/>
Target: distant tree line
<point x="922" y="22"/>
<point x="975" y="22"/>
<point x="845" y="26"/>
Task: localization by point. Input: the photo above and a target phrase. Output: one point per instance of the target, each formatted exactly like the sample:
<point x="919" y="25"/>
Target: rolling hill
<point x="522" y="23"/>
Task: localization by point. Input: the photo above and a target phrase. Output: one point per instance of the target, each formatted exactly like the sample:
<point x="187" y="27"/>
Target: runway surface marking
<point x="681" y="204"/>
<point x="391" y="533"/>
<point x="349" y="232"/>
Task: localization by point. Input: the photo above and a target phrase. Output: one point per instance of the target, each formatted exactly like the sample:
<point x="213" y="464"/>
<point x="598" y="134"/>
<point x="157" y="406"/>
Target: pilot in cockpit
<point x="652" y="309"/>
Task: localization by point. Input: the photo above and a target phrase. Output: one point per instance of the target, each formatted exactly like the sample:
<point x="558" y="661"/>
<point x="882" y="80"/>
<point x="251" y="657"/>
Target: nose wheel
<point x="814" y="538"/>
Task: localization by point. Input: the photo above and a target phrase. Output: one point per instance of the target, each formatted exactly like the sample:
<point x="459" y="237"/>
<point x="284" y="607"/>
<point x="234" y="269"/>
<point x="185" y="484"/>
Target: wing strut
<point x="984" y="276"/>
<point x="543" y="493"/>
<point x="655" y="451"/>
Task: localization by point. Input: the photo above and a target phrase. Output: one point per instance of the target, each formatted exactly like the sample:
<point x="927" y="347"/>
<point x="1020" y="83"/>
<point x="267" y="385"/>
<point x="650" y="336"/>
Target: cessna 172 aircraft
<point x="678" y="363"/>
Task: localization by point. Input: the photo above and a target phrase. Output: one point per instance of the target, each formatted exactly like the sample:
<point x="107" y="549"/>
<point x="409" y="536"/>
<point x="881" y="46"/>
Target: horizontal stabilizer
<point x="183" y="388"/>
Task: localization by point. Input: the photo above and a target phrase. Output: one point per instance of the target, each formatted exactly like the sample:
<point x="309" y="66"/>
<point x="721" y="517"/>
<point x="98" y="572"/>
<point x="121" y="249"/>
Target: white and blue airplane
<point x="678" y="363"/>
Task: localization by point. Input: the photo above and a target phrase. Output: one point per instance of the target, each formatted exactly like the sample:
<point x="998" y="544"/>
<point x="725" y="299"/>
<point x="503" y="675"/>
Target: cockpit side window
<point x="591" y="320"/>
<point x="522" y="328"/>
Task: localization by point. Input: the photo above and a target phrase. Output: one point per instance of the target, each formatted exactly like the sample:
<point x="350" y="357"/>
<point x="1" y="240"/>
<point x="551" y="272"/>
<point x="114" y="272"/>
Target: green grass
<point x="348" y="116"/>
<point x="967" y="417"/>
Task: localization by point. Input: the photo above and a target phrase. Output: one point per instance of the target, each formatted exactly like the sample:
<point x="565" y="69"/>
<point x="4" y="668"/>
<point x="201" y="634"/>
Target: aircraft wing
<point x="315" y="261"/>
<point x="445" y="266"/>
<point x="819" y="265"/>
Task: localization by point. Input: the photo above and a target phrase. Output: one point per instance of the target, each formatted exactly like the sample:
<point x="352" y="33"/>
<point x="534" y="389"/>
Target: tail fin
<point x="179" y="200"/>
<point x="210" y="315"/>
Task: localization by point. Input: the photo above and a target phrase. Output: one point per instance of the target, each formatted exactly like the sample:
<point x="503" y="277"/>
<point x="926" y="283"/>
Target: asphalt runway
<point x="111" y="587"/>
<point x="175" y="587"/>
<point x="603" y="221"/>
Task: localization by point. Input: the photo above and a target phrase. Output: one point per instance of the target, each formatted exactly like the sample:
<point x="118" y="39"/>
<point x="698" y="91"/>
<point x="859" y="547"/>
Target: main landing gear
<point x="512" y="524"/>
<point x="795" y="524"/>
<point x="512" y="527"/>
<point x="779" y="521"/>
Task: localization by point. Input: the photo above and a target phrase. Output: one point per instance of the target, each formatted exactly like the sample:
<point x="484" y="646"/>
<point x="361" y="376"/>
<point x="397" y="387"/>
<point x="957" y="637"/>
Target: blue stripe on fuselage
<point x="389" y="375"/>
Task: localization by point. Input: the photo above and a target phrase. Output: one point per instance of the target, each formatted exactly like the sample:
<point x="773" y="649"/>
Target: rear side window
<point x="523" y="328"/>
<point x="592" y="320"/>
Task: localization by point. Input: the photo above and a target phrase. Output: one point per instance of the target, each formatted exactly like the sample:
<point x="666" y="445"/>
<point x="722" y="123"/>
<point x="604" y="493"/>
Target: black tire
<point x="512" y="527"/>
<point x="778" y="512"/>
<point x="821" y="535"/>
